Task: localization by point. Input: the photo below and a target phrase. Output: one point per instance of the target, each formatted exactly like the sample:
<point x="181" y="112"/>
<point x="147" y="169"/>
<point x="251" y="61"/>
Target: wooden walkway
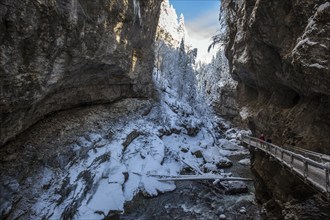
<point x="313" y="168"/>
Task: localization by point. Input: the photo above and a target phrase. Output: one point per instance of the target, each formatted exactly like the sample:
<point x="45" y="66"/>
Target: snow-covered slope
<point x="105" y="156"/>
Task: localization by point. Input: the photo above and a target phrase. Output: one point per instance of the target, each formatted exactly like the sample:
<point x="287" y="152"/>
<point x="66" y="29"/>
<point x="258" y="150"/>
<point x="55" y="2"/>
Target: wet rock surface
<point x="57" y="55"/>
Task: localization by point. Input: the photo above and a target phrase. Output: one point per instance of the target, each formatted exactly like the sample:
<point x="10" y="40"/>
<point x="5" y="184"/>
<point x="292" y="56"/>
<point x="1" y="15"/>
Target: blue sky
<point x="201" y="20"/>
<point x="192" y="8"/>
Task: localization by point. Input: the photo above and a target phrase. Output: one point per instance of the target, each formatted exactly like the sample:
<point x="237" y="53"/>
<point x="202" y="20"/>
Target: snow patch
<point x="244" y="113"/>
<point x="246" y="162"/>
<point x="323" y="7"/>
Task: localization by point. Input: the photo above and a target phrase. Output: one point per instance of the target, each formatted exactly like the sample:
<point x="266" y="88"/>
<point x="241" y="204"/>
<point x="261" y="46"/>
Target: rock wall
<point x="61" y="54"/>
<point x="278" y="52"/>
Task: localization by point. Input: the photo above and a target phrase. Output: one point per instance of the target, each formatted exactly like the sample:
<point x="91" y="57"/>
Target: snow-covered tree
<point x="215" y="76"/>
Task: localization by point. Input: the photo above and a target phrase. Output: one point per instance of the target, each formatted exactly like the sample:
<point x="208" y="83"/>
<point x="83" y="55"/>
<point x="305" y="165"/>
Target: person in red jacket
<point x="262" y="139"/>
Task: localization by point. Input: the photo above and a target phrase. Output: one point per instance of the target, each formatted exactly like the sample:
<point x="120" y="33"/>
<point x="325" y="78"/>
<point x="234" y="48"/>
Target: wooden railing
<point x="312" y="172"/>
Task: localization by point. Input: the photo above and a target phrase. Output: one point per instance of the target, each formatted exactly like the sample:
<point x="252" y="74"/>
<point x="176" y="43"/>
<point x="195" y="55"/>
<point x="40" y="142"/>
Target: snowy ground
<point x="108" y="167"/>
<point x="130" y="169"/>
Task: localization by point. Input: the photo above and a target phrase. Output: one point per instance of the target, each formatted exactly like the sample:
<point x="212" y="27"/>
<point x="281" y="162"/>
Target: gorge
<point x="100" y="98"/>
<point x="278" y="51"/>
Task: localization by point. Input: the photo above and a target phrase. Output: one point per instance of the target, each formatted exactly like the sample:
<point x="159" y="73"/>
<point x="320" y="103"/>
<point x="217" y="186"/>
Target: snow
<point x="244" y="113"/>
<point x="243" y="57"/>
<point x="174" y="26"/>
<point x="107" y="197"/>
<point x="307" y="42"/>
<point x="168" y="22"/>
<point x="214" y="77"/>
<point x="316" y="65"/>
<point x="242" y="210"/>
<point x="246" y="162"/>
<point x="179" y="131"/>
<point x="222" y="216"/>
<point x="323" y="7"/>
<point x="304" y="42"/>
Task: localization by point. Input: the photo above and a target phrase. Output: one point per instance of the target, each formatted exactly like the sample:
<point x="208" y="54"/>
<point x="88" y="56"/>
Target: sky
<point x="201" y="20"/>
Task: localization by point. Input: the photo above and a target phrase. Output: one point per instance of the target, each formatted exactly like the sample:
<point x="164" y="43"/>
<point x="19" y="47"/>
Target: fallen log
<point x="196" y="169"/>
<point x="204" y="177"/>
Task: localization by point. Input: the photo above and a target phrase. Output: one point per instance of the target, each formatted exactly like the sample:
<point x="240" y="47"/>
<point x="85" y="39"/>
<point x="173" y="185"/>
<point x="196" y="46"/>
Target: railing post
<point x="275" y="151"/>
<point x="291" y="163"/>
<point x="305" y="169"/>
<point x="268" y="148"/>
<point x="327" y="182"/>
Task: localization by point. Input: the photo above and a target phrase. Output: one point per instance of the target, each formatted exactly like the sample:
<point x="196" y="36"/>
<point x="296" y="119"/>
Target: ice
<point x="137" y="11"/>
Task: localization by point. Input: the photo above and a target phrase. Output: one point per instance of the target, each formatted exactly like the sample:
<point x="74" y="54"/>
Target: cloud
<point x="201" y="30"/>
<point x="206" y="23"/>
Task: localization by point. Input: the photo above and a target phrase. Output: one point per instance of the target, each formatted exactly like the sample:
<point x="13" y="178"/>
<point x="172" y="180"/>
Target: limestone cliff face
<point x="278" y="51"/>
<point x="58" y="54"/>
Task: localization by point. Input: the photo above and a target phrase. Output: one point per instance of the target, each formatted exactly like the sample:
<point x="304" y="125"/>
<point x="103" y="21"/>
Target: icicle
<point x="73" y="16"/>
<point x="137" y="11"/>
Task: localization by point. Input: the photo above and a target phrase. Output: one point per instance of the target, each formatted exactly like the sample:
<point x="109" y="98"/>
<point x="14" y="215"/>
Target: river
<point x="198" y="200"/>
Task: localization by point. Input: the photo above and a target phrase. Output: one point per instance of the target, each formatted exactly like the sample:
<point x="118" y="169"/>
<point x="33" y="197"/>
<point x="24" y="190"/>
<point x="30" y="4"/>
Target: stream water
<point x="198" y="200"/>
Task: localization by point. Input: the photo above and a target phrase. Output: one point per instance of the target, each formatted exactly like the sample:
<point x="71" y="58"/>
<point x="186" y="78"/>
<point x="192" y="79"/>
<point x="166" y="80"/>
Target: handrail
<point x="307" y="168"/>
<point x="319" y="156"/>
<point x="319" y="165"/>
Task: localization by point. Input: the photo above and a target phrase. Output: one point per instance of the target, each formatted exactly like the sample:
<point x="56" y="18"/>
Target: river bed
<point x="197" y="200"/>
